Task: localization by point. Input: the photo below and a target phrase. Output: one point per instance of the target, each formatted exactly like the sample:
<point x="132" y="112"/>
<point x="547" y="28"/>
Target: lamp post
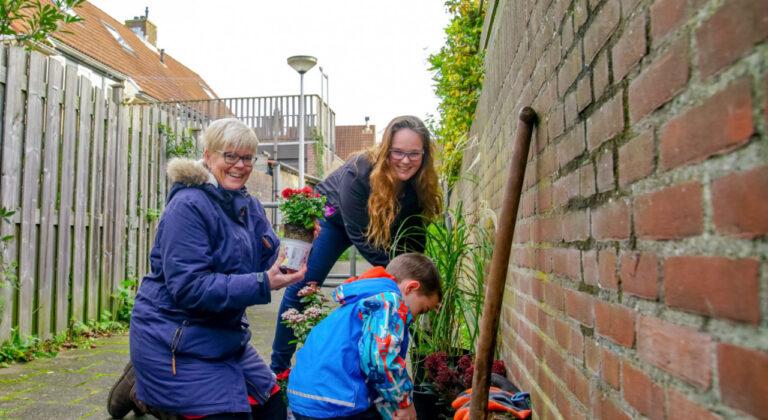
<point x="302" y="64"/>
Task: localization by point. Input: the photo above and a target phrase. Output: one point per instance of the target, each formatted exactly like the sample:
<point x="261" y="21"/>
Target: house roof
<point x="164" y="81"/>
<point x="353" y="138"/>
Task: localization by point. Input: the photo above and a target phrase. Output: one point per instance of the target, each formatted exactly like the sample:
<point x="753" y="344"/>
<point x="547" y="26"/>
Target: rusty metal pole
<point x="497" y="276"/>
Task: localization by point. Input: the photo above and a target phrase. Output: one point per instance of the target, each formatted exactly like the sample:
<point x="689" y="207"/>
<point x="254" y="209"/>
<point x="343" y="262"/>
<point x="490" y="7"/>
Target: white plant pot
<point x="296" y="253"/>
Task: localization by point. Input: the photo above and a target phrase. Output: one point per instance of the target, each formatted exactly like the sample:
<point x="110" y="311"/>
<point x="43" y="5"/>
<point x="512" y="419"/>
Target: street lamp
<point x="302" y="64"/>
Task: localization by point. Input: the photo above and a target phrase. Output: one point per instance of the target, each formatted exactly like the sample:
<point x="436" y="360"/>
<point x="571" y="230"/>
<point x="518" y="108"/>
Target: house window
<point x="118" y="38"/>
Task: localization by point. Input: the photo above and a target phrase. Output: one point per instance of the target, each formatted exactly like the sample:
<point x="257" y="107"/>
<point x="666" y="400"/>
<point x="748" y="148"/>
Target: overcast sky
<point x="374" y="52"/>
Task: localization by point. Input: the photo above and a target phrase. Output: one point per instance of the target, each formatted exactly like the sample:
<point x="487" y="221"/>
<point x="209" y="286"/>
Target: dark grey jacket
<point x="348" y="189"/>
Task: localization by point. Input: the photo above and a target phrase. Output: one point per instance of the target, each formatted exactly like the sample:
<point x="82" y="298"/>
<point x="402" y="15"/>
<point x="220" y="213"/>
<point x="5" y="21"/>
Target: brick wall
<point x="638" y="283"/>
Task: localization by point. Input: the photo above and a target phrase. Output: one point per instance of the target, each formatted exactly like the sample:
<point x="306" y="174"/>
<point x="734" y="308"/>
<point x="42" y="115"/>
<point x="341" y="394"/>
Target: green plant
<point x="301" y="207"/>
<point x="316" y="308"/>
<point x="7" y="269"/>
<point x="178" y="145"/>
<point x="124" y="300"/>
<point x="460" y="249"/>
<point x="152" y="214"/>
<point x="35" y="20"/>
<point x="458" y="75"/>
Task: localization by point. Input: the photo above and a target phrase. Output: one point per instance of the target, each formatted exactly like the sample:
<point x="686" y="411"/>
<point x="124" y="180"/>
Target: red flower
<point x="499" y="368"/>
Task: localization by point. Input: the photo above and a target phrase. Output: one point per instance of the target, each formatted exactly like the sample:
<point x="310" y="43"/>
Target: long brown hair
<point x="383" y="204"/>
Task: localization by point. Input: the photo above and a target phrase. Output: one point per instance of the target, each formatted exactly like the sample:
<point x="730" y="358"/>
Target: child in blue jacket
<point x="352" y="365"/>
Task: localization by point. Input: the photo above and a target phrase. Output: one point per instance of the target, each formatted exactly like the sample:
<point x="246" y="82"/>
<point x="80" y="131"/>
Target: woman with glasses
<point x="390" y="188"/>
<point x="214" y="255"/>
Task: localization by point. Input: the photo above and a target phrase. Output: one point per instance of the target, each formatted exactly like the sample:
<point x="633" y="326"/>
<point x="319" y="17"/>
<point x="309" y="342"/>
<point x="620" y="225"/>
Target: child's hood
<point x="370" y="283"/>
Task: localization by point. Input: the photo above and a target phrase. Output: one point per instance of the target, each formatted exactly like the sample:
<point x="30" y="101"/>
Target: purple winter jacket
<point x="189" y="334"/>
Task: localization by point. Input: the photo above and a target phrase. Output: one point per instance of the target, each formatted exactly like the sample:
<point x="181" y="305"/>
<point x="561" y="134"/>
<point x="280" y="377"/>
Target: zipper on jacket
<point x="174" y="344"/>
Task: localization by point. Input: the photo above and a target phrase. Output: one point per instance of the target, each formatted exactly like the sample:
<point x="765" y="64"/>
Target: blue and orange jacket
<point x="356" y="356"/>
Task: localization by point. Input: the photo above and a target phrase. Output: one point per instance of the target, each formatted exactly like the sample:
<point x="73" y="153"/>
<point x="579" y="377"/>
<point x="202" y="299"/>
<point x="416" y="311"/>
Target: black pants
<point x="370" y="414"/>
<point x="273" y="409"/>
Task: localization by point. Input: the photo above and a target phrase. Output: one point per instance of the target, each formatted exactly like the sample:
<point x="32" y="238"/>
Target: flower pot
<point x="428" y="405"/>
<point x="296" y="253"/>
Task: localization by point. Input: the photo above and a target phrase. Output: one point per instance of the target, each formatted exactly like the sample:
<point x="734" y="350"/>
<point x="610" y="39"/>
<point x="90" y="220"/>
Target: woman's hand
<point x="317" y="229"/>
<point x="278" y="279"/>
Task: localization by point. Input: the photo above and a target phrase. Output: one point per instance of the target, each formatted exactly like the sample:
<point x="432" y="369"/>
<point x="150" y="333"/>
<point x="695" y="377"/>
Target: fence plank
<point x="67" y="178"/>
<point x="143" y="189"/>
<point x="154" y="140"/>
<point x="81" y="200"/>
<point x="108" y="202"/>
<point x="13" y="132"/>
<point x="95" y="207"/>
<point x="163" y="162"/>
<point x="121" y="197"/>
<point x="133" y="190"/>
<point x="30" y="188"/>
<point x="48" y="215"/>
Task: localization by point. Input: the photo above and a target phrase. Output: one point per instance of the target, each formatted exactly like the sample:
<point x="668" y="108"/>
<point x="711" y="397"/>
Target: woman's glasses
<point x="232" y="158"/>
<point x="401" y="154"/>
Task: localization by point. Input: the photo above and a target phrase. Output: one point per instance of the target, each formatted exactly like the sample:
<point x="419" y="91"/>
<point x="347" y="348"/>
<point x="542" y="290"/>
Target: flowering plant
<point x="301" y="207"/>
<point x="315" y="310"/>
<point x="451" y="379"/>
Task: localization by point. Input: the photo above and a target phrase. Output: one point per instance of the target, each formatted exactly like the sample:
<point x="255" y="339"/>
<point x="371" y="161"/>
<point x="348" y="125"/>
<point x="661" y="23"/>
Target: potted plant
<point x="300" y="209"/>
<point x="461" y="249"/>
<point x="316" y="308"/>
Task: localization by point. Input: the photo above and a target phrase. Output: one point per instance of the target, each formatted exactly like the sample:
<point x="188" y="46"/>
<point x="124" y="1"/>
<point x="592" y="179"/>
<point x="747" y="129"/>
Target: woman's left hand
<point x="317" y="229"/>
<point x="278" y="279"/>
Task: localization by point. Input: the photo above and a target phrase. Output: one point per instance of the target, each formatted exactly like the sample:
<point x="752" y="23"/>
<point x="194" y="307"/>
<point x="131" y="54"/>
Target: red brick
<point x="611" y="221"/>
<point x="730" y="33"/>
<point x="554" y="296"/>
<point x="567" y="263"/>
<point x="721" y="123"/>
<point x="578" y="384"/>
<point x="601" y="29"/>
<point x="544" y="198"/>
<point x="636" y="158"/>
<point x="714" y="286"/>
<point x="666" y="16"/>
<point x="546" y="163"/>
<point x="592" y="356"/>
<point x="589" y="264"/>
<point x="740" y="203"/>
<point x="571" y="109"/>
<point x="615" y="322"/>
<point x="571" y="146"/>
<point x="579" y="306"/>
<point x="610" y="368"/>
<point x="565" y="188"/>
<point x="575" y="226"/>
<point x="681" y="351"/>
<point x="605" y="171"/>
<point x="628" y="6"/>
<point x="607" y="269"/>
<point x="556" y="123"/>
<point x="600" y="75"/>
<point x="583" y="92"/>
<point x="587" y="180"/>
<point x="672" y="213"/>
<point x="640" y="274"/>
<point x="576" y="343"/>
<point x="607" y="410"/>
<point x="681" y="408"/>
<point x="570" y="69"/>
<point x="629" y="49"/>
<point x="641" y="392"/>
<point x="742" y="374"/>
<point x="606" y="122"/>
<point x="659" y="82"/>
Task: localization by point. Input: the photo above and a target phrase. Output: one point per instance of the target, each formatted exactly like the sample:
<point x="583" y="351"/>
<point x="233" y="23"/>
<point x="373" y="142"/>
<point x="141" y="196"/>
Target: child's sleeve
<point x="384" y="319"/>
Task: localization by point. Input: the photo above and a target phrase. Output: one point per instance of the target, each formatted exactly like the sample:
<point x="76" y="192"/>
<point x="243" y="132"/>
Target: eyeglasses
<point x="232" y="158"/>
<point x="401" y="154"/>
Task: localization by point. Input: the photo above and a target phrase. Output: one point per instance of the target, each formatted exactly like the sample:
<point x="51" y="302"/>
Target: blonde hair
<point x="229" y="132"/>
<point x="383" y="203"/>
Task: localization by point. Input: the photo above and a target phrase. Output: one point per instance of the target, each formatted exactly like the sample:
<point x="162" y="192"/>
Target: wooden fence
<point x="85" y="175"/>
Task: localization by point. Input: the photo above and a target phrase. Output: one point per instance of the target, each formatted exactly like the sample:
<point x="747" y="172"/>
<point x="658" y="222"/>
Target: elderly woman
<point x="214" y="255"/>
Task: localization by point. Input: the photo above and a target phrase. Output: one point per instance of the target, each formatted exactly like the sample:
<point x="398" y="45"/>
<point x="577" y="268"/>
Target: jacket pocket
<point x="175" y="340"/>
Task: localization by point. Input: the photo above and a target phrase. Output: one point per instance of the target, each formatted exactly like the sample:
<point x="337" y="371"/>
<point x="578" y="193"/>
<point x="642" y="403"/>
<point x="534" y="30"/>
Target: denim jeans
<point x="326" y="250"/>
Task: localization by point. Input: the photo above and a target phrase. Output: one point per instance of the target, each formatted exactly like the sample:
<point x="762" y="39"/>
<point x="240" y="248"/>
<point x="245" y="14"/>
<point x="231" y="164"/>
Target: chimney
<point x="367" y="128"/>
<point x="162" y="55"/>
<point x="142" y="27"/>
